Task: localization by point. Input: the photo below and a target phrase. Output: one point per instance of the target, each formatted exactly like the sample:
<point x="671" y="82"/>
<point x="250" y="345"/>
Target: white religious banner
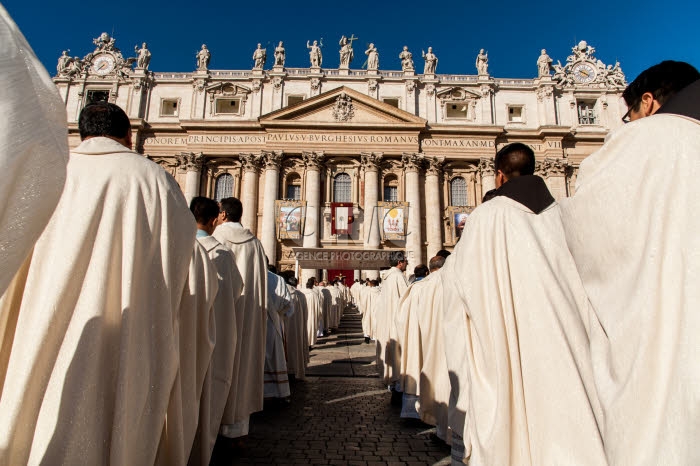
<point x="290" y="219"/>
<point x="341" y="218"/>
<point x="393" y="217"/>
<point x="458" y="218"/>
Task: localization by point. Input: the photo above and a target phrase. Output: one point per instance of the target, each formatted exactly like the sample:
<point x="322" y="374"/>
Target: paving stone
<point x="339" y="415"/>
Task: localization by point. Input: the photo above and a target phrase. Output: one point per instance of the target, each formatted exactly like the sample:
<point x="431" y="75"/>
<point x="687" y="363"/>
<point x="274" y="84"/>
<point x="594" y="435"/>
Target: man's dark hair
<point x="421" y="271"/>
<point x="436" y="262"/>
<point x="272" y="268"/>
<point x="663" y="81"/>
<point x="395" y="257"/>
<point x="374" y="282"/>
<point x="103" y="119"/>
<point x="490" y="194"/>
<point x="516" y="159"/>
<point x="204" y="209"/>
<point x="233" y="208"/>
<point x="443" y="253"/>
<point x="310" y="282"/>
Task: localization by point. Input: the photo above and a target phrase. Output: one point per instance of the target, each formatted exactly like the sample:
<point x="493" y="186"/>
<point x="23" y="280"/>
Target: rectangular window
<point x="586" y="112"/>
<point x="97" y="96"/>
<point x="456" y="110"/>
<point x="228" y="106"/>
<point x="515" y="114"/>
<point x="169" y="107"/>
<point x="294" y="99"/>
<point x="391" y="193"/>
<point x="294" y="192"/>
<point x="393" y="101"/>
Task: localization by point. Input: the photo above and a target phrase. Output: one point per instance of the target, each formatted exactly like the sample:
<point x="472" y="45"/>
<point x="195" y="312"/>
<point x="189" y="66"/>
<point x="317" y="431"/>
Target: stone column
<point x="433" y="214"/>
<point x="314" y="164"/>
<point x="192" y="164"/>
<point x="554" y="173"/>
<point x="370" y="164"/>
<point x="488" y="175"/>
<point x="249" y="196"/>
<point x="271" y="161"/>
<point x="412" y="163"/>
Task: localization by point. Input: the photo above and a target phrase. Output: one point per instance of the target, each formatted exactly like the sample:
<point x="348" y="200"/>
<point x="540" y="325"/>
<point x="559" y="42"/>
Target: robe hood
<point x="528" y="190"/>
<point x="685" y="103"/>
<point x="237" y="235"/>
<point x="101" y="145"/>
<point x="208" y="242"/>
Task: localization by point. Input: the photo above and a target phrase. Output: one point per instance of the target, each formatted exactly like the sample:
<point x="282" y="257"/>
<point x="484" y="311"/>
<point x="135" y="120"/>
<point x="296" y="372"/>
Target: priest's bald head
<point x="513" y="160"/>
<point x="104" y="119"/>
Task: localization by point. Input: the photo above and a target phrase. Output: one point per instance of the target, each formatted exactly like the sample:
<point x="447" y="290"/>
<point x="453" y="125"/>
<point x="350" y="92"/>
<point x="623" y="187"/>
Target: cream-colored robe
<point x="217" y="384"/>
<point x="423" y="364"/>
<point x="532" y="398"/>
<point x="33" y="151"/>
<point x="246" y="396"/>
<point x="354" y="292"/>
<point x="106" y="321"/>
<point x="295" y="330"/>
<point x="327" y="300"/>
<point x="633" y="229"/>
<point x="394" y="285"/>
<point x="278" y="303"/>
<point x="314" y="311"/>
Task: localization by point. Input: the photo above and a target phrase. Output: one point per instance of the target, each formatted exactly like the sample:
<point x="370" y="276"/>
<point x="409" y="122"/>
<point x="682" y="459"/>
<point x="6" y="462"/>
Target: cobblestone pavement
<point x="340" y="415"/>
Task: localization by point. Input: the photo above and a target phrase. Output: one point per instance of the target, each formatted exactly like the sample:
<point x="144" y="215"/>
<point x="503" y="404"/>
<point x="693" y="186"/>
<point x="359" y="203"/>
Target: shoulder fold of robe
<point x="685" y="103"/>
<point x="528" y="190"/>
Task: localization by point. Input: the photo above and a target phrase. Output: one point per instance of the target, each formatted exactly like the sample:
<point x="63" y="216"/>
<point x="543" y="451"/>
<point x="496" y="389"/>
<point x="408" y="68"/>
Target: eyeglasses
<point x="626" y="117"/>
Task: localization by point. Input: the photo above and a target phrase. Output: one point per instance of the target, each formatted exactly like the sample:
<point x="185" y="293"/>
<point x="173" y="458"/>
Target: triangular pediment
<point x="342" y="106"/>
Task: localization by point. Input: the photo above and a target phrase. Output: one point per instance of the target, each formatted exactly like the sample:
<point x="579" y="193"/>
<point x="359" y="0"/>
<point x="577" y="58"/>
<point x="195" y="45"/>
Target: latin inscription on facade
<point x="231" y="139"/>
<point x="468" y="143"/>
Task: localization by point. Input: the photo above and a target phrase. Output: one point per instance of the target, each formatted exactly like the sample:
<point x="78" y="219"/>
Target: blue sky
<point x="638" y="34"/>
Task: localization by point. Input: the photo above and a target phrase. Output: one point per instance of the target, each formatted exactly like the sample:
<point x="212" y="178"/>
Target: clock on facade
<point x="103" y="64"/>
<point x="584" y="72"/>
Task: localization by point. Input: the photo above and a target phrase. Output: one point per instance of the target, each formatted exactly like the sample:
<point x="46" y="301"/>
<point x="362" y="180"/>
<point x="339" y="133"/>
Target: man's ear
<point x="649" y="104"/>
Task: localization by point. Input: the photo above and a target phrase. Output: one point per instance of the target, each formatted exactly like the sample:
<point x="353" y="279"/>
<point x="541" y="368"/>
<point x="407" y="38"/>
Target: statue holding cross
<point x="346" y="53"/>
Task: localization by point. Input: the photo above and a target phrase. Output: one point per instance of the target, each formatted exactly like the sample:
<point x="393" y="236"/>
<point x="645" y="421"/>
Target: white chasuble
<point x="388" y="350"/>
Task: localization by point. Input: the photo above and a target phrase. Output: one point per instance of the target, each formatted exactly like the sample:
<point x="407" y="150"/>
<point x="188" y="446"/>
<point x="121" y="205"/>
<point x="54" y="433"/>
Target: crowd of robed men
<point x="134" y="329"/>
<point x="567" y="329"/>
<point x="564" y="332"/>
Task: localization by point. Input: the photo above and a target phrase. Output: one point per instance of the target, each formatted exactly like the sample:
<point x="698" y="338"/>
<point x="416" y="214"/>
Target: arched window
<point x="458" y="191"/>
<point x="391" y="188"/>
<point x="224" y="186"/>
<point x="293" y="187"/>
<point x="342" y="188"/>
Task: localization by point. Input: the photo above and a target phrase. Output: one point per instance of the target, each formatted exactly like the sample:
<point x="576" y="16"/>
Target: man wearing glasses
<point x="632" y="228"/>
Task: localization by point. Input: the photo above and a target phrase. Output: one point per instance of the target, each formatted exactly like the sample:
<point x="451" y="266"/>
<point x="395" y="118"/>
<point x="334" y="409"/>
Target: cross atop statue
<point x="352" y="38"/>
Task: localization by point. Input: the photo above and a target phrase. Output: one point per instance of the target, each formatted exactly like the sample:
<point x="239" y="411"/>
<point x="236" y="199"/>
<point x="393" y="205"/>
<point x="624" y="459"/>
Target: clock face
<point x="103" y="64"/>
<point x="584" y="72"/>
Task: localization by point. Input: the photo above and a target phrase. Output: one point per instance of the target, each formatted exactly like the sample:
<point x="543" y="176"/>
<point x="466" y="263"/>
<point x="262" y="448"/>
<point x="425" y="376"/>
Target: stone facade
<point x="426" y="140"/>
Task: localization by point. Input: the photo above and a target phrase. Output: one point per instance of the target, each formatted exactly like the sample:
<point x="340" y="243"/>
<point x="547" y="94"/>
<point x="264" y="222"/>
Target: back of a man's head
<point x="233" y="209"/>
<point x="421" y="271"/>
<point x="103" y="119"/>
<point x="204" y="209"/>
<point x="436" y="263"/>
<point x="663" y="81"/>
<point x="516" y="159"/>
<point x="310" y="282"/>
<point x="443" y="253"/>
<point x="395" y="257"/>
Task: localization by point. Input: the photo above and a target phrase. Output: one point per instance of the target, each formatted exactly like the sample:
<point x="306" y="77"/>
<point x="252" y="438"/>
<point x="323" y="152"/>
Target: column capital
<point x="313" y="160"/>
<point x="250" y="162"/>
<point x="486" y="166"/>
<point x="412" y="162"/>
<point x="552" y="167"/>
<point x="190" y="161"/>
<point x="272" y="160"/>
<point x="434" y="165"/>
<point x="371" y="160"/>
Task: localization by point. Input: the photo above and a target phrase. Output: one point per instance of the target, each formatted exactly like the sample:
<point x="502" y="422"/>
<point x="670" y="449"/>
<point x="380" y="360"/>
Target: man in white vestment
<point x="424" y="376"/>
<point x="328" y="317"/>
<point x="218" y="381"/>
<point x="354" y="290"/>
<point x="247" y="392"/>
<point x="297" y="342"/>
<point x="115" y="328"/>
<point x="279" y="302"/>
<point x="33" y="152"/>
<point x="632" y="228"/>
<point x="532" y="400"/>
<point x="388" y="350"/>
<point x="314" y="309"/>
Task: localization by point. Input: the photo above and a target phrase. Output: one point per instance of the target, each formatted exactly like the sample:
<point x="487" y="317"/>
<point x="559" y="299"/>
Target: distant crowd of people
<point x="137" y="329"/>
